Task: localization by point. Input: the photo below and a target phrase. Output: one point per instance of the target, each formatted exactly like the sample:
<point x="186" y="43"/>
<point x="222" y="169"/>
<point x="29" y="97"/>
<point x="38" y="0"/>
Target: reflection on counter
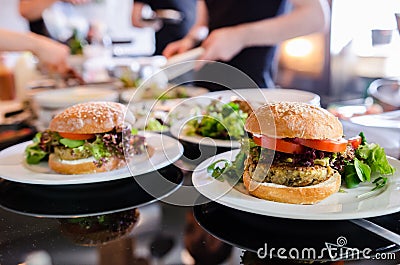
<point x="99" y="229"/>
<point x="204" y="248"/>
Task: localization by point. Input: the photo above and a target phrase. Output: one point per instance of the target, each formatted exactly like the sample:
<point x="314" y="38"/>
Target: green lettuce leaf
<point x="374" y="156"/>
<point x="33" y="153"/>
<point x="71" y="143"/>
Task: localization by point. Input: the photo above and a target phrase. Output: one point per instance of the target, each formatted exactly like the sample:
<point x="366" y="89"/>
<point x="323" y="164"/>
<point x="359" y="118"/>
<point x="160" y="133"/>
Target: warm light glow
<point x="299" y="47"/>
<point x="303" y="54"/>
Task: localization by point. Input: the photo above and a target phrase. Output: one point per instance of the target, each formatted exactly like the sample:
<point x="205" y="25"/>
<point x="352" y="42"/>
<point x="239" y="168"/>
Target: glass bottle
<point x="7" y="83"/>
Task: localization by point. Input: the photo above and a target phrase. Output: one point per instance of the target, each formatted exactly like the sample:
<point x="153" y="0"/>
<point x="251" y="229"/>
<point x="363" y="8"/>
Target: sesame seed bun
<point x="91" y="117"/>
<point x="293" y="119"/>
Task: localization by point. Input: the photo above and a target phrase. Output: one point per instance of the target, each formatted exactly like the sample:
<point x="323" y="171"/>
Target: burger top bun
<point x="92" y="117"/>
<point x="293" y="119"/>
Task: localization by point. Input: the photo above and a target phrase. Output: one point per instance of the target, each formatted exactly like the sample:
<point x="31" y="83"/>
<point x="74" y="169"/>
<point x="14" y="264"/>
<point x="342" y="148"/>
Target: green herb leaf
<point x="380" y="182"/>
<point x="34" y="154"/>
<point x="219" y="121"/>
<point x="363" y="139"/>
<point x="351" y="178"/>
<point x="215" y="170"/>
<point x="370" y="159"/>
<point x="71" y="143"/>
<point x="134" y="131"/>
<point x="98" y="149"/>
<point x="363" y="170"/>
<point x="155" y="125"/>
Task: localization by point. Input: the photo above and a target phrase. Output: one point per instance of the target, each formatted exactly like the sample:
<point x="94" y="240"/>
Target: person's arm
<point x="33" y="9"/>
<point x="51" y="54"/>
<point x="307" y="16"/>
<point x="197" y="33"/>
<point x="136" y="16"/>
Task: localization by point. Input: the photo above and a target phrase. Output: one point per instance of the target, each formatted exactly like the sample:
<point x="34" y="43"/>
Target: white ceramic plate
<point x="388" y="138"/>
<point x="128" y="94"/>
<point x="12" y="166"/>
<point x="178" y="131"/>
<point x="255" y="96"/>
<point x="65" y="97"/>
<point x="339" y="206"/>
<point x="389" y="119"/>
<point x="258" y="96"/>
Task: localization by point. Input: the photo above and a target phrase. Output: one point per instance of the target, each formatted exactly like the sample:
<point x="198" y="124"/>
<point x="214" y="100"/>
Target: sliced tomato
<point x="355" y="141"/>
<point x="76" y="136"/>
<point x="280" y="145"/>
<point x="325" y="145"/>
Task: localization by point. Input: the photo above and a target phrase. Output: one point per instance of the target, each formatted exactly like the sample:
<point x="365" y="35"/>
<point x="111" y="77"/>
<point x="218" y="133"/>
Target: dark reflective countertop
<point x="118" y="222"/>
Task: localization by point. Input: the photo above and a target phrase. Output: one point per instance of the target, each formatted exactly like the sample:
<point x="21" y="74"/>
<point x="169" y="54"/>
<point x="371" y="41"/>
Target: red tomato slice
<point x="325" y="145"/>
<point x="355" y="141"/>
<point x="76" y="136"/>
<point x="280" y="145"/>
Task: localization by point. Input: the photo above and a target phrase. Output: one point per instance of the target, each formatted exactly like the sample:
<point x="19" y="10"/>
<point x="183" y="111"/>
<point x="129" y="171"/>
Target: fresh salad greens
<point x="40" y="147"/>
<point x="219" y="121"/>
<point x="46" y="142"/>
<point x="118" y="142"/>
<point x="369" y="164"/>
<point x="155" y="125"/>
<point x="232" y="170"/>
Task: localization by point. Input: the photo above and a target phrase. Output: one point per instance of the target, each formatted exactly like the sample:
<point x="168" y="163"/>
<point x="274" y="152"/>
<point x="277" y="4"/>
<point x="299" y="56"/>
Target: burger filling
<point x="119" y="142"/>
<point x="294" y="170"/>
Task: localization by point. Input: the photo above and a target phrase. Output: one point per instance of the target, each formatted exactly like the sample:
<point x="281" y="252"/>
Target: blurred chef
<point x="168" y="30"/>
<point x="244" y="34"/>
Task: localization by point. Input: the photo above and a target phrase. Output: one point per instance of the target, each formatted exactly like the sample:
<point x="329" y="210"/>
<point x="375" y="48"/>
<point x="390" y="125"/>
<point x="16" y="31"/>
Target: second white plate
<point x="12" y="166"/>
<point x="178" y="131"/>
<point x="339" y="206"/>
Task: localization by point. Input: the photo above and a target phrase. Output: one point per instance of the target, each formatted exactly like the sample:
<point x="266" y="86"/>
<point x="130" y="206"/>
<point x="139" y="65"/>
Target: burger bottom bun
<point x="295" y="195"/>
<point x="85" y="167"/>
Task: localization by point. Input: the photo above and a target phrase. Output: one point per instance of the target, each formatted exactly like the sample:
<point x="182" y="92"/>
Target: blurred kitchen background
<point x="361" y="46"/>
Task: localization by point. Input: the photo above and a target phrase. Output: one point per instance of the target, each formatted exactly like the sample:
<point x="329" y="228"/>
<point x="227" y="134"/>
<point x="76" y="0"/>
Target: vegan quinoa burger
<point x="87" y="138"/>
<point x="296" y="146"/>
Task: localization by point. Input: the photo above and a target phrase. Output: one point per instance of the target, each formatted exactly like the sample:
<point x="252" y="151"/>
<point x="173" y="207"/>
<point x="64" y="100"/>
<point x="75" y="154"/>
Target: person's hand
<point x="222" y="44"/>
<point x="179" y="46"/>
<point x="77" y="2"/>
<point x="52" y="55"/>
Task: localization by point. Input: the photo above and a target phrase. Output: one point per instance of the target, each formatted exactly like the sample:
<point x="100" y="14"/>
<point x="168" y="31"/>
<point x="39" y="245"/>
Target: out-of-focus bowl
<point x="347" y="109"/>
<point x="386" y="92"/>
<point x="260" y="96"/>
<point x="49" y="102"/>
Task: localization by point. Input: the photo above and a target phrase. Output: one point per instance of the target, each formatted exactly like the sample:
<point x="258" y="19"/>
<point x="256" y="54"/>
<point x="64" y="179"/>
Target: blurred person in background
<point x="244" y="34"/>
<point x="166" y="30"/>
<point x="52" y="55"/>
<point x="32" y="10"/>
